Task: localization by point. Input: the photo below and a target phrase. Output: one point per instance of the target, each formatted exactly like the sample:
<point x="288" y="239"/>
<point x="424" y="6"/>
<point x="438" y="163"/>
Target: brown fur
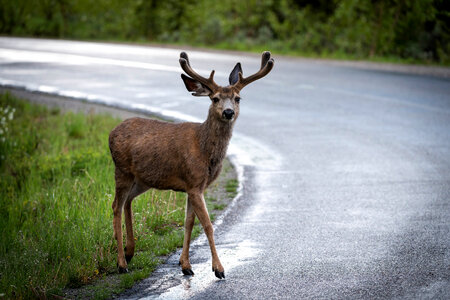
<point x="164" y="155"/>
<point x="183" y="157"/>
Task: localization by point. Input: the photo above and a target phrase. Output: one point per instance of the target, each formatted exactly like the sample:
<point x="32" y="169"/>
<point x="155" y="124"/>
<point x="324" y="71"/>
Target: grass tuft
<point x="231" y="187"/>
<point x="76" y="126"/>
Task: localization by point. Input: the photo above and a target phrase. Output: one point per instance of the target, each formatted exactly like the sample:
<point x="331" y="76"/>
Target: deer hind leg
<point x="188" y="225"/>
<point x="198" y="203"/>
<point x="123" y="186"/>
<point x="135" y="191"/>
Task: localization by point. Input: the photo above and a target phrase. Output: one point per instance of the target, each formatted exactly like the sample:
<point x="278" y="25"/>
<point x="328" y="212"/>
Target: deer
<point x="184" y="157"/>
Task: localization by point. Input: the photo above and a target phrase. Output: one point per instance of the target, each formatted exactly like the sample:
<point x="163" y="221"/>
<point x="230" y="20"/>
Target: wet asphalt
<point x="345" y="170"/>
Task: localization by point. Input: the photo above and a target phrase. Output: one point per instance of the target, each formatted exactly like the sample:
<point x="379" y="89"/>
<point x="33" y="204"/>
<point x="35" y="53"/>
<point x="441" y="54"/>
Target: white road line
<point x="10" y="55"/>
<point x="72" y="59"/>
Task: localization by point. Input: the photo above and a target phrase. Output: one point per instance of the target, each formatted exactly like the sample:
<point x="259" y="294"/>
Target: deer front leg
<point x="198" y="203"/>
<point x="188" y="225"/>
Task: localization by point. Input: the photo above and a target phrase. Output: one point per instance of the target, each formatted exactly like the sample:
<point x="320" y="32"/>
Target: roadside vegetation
<point x="416" y="31"/>
<point x="56" y="191"/>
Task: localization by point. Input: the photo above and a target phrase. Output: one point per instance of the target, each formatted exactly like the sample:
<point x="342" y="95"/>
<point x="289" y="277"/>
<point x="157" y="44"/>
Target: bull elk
<point x="183" y="157"/>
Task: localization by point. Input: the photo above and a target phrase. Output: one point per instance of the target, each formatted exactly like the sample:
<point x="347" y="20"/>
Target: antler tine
<point x="266" y="67"/>
<point x="265" y="58"/>
<point x="185" y="56"/>
<point x="186" y="66"/>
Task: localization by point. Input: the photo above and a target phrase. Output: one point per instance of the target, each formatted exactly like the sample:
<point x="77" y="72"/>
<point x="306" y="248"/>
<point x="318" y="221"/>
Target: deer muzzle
<point x="228" y="114"/>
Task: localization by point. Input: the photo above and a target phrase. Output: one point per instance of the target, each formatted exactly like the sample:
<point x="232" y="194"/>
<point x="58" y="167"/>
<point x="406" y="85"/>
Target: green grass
<point x="56" y="191"/>
<point x="231" y="187"/>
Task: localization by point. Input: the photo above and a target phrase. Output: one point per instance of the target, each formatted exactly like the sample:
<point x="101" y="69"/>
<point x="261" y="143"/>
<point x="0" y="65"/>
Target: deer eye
<point x="237" y="99"/>
<point x="215" y="99"/>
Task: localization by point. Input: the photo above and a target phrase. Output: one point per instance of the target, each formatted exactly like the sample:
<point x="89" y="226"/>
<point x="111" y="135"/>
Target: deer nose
<point x="228" y="114"/>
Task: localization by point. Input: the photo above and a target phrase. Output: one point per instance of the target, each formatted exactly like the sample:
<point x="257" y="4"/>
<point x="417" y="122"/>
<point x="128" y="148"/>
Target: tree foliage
<point x="409" y="29"/>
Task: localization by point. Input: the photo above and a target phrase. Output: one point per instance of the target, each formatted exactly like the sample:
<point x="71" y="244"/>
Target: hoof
<point x="187" y="271"/>
<point x="220" y="275"/>
<point x="122" y="270"/>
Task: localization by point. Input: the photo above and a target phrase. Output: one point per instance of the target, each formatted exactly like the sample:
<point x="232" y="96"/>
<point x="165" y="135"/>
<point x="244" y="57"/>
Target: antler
<point x="186" y="66"/>
<point x="266" y="67"/>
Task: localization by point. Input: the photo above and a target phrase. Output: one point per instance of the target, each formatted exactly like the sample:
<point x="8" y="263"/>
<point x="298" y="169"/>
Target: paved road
<point x="346" y="170"/>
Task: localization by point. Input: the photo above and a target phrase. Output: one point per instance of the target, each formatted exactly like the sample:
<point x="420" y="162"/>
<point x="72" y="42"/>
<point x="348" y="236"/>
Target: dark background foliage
<point x="414" y="30"/>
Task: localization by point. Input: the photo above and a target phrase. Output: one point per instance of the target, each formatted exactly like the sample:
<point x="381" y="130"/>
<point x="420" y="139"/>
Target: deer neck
<point x="214" y="138"/>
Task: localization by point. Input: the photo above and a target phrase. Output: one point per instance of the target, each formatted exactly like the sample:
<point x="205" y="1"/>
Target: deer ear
<point x="194" y="86"/>
<point x="234" y="75"/>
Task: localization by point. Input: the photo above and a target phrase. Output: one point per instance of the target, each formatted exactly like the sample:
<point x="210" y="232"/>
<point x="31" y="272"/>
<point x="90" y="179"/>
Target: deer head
<point x="225" y="100"/>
